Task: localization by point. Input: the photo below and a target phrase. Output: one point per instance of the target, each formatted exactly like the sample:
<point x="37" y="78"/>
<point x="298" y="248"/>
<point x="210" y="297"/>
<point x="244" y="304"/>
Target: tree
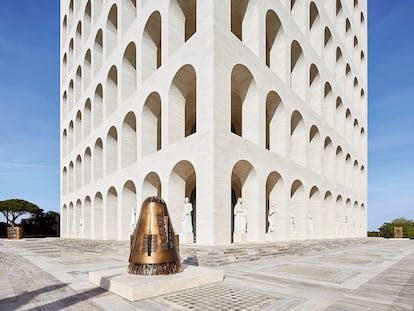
<point x="41" y="224"/>
<point x="14" y="208"/>
<point x="387" y="229"/>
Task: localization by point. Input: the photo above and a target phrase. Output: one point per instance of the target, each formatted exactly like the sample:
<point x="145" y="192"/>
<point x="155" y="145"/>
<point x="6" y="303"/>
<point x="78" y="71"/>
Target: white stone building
<point x="215" y="100"/>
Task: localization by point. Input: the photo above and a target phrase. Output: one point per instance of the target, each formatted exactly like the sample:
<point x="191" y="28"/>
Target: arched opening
<point x="87" y="218"/>
<point x="348" y="218"/>
<point x="129" y="72"/>
<point x="247" y="220"/>
<point x="97" y="223"/>
<point x="182" y="184"/>
<point x="78" y="39"/>
<point x="129" y="140"/>
<point x="98" y="52"/>
<point x="315" y="150"/>
<point x="328" y="217"/>
<point x="71" y="97"/>
<point x="328" y="50"/>
<point x="182" y="23"/>
<point x="98" y="106"/>
<point x="348" y="82"/>
<point x="340" y="166"/>
<point x="348" y="126"/>
<point x="64" y="222"/>
<point x="111" y="96"/>
<point x="78" y="128"/>
<point x="298" y="13"/>
<point x="276" y="127"/>
<point x="87" y="119"/>
<point x="98" y="160"/>
<point x="71" y="181"/>
<point x="87" y="167"/>
<point x="64" y="143"/>
<point x="71" y="55"/>
<point x="340" y="25"/>
<point x="64" y="30"/>
<point x="363" y="182"/>
<point x="151" y="124"/>
<point x="356" y="93"/>
<point x="78" y="220"/>
<point x="111" y="215"/>
<point x="87" y="65"/>
<point x="315" y="89"/>
<point x="275" y="45"/>
<point x="329" y="159"/>
<point x="297" y="70"/>
<point x="355" y="177"/>
<point x="64" y="68"/>
<point x="78" y="172"/>
<point x="64" y="105"/>
<point x="87" y="21"/>
<point x="355" y="135"/>
<point x="275" y="217"/>
<point x="340" y="67"/>
<point x="129" y="14"/>
<point x="348" y="36"/>
<point x="354" y="220"/>
<point x="71" y="221"/>
<point x="362" y="67"/>
<point x="339" y="117"/>
<point x="244" y="22"/>
<point x="111" y="151"/>
<point x="328" y="106"/>
<point x="151" y="185"/>
<point x="315" y="28"/>
<point x="64" y="181"/>
<point x="182" y="104"/>
<point x="340" y="217"/>
<point x="151" y="45"/>
<point x="111" y="30"/>
<point x="70" y="137"/>
<point x="297" y="139"/>
<point x="313" y="214"/>
<point x="244" y="104"/>
<point x="348" y="171"/>
<point x="297" y="211"/>
<point x="129" y="210"/>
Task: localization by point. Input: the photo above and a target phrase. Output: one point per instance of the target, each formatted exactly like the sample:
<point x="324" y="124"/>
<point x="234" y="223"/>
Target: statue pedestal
<point x="270" y="237"/>
<point x="239" y="237"/>
<point x="186" y="238"/>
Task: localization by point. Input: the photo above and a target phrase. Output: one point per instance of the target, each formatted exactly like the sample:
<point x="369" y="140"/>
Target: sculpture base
<point x="187" y="238"/>
<point x="155" y="269"/>
<point x="137" y="287"/>
<point x="239" y="237"/>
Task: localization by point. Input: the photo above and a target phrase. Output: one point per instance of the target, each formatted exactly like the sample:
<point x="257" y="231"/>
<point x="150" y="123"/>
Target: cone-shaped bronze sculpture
<point x="153" y="244"/>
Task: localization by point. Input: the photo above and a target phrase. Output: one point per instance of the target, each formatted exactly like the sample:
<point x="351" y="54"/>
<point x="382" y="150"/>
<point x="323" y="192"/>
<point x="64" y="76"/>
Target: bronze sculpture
<point x="154" y="248"/>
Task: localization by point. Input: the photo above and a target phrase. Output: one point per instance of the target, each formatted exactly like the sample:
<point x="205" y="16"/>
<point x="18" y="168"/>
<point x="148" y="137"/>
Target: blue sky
<point x="29" y="101"/>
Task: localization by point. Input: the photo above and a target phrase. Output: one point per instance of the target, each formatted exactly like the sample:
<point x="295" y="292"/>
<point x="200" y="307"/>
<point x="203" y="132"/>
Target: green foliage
<point x="14" y="208"/>
<point x="373" y="234"/>
<point x="41" y="224"/>
<point x="387" y="229"/>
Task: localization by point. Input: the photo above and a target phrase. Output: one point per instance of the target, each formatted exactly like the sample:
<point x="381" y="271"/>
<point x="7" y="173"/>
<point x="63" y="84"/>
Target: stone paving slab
<point x="378" y="274"/>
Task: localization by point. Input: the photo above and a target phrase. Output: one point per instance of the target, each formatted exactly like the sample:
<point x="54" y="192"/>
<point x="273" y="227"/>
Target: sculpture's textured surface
<point x="153" y="244"/>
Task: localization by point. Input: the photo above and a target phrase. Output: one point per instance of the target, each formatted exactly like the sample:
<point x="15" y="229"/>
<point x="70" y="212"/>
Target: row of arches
<point x="298" y="212"/>
<point x="182" y="22"/>
<point x="181" y="113"/>
<point x="245" y="13"/>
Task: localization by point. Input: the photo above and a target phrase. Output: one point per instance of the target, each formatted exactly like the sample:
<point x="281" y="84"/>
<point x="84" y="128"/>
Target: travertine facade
<point x="215" y="100"/>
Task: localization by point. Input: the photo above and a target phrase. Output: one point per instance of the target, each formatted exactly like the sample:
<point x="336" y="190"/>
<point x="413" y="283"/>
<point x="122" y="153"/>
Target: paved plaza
<point x="373" y="274"/>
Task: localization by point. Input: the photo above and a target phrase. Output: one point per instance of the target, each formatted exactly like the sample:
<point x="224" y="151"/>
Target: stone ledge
<point x="137" y="287"/>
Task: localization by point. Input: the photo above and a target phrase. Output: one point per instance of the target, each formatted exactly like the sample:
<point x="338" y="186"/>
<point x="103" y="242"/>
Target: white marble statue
<point x="310" y="220"/>
<point x="81" y="227"/>
<point x="292" y="223"/>
<point x="132" y="222"/>
<point x="186" y="219"/>
<point x="271" y="218"/>
<point x="240" y="217"/>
